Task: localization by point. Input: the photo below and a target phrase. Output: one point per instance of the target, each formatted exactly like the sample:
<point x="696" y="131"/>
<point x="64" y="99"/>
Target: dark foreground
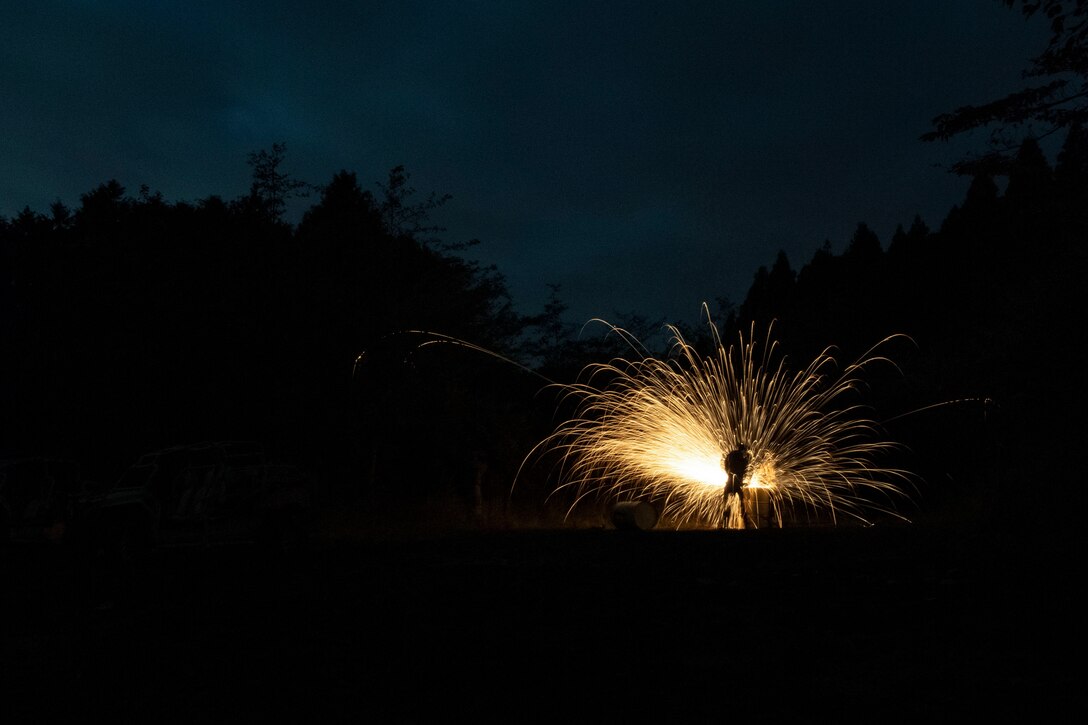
<point x="876" y="625"/>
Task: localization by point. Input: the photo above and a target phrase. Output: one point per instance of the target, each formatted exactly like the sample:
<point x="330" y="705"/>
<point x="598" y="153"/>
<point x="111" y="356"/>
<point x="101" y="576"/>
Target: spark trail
<point x="657" y="430"/>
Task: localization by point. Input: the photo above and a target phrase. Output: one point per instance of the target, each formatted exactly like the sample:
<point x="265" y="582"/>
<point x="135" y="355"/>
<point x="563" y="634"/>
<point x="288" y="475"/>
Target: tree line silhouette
<point x="362" y="345"/>
<point x="134" y="322"/>
<point x="992" y="300"/>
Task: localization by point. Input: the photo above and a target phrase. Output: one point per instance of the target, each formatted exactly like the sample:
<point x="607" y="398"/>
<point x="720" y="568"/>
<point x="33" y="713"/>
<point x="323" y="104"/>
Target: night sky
<point x="644" y="156"/>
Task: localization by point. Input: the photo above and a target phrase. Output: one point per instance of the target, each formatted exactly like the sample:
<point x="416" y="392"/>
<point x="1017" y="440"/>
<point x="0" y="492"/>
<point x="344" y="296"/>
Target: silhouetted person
<point x="735" y="464"/>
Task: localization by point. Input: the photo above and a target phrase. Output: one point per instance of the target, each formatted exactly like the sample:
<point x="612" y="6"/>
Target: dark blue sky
<point x="644" y="156"/>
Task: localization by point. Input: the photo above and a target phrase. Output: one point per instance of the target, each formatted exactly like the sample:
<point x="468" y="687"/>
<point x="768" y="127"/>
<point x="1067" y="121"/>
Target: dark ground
<point x="912" y="623"/>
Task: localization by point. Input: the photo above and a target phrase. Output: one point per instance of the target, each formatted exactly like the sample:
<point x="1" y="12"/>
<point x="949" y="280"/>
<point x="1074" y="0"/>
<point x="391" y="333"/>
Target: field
<point x="900" y="623"/>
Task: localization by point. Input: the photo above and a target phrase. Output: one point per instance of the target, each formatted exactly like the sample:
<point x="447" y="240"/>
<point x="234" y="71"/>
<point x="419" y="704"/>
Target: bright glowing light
<point x="656" y="430"/>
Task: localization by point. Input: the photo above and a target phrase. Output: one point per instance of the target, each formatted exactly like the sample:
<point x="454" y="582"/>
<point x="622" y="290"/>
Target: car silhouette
<point x="203" y="494"/>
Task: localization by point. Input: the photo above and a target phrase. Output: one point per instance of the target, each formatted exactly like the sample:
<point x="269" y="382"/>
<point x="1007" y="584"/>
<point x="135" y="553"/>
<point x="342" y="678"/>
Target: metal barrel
<point x="634" y="515"/>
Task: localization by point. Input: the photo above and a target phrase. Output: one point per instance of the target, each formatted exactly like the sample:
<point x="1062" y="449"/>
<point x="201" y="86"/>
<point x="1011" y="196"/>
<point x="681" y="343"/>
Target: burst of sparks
<point x="657" y="430"/>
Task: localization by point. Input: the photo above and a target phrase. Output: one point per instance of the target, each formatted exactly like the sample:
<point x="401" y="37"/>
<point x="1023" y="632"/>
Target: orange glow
<point x="657" y="430"/>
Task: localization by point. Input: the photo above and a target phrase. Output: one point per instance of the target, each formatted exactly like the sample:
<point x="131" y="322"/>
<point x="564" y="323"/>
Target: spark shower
<point x="657" y="430"/>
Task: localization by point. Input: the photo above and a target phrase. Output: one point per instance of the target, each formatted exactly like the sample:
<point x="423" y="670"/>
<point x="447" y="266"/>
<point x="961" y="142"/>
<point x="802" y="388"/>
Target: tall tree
<point x="906" y="242"/>
<point x="771" y="293"/>
<point x="864" y="247"/>
<point x="403" y="218"/>
<point x="1056" y="100"/>
<point x="1071" y="171"/>
<point x="272" y="185"/>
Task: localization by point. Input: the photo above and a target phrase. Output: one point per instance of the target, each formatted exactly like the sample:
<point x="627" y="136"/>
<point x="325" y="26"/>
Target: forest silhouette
<point x="133" y="323"/>
<point x="361" y="346"/>
<point x="404" y="387"/>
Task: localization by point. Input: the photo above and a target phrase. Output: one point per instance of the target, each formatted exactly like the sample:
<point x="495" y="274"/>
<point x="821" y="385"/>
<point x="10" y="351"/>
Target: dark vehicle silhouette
<point x="37" y="499"/>
<point x="205" y="494"/>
